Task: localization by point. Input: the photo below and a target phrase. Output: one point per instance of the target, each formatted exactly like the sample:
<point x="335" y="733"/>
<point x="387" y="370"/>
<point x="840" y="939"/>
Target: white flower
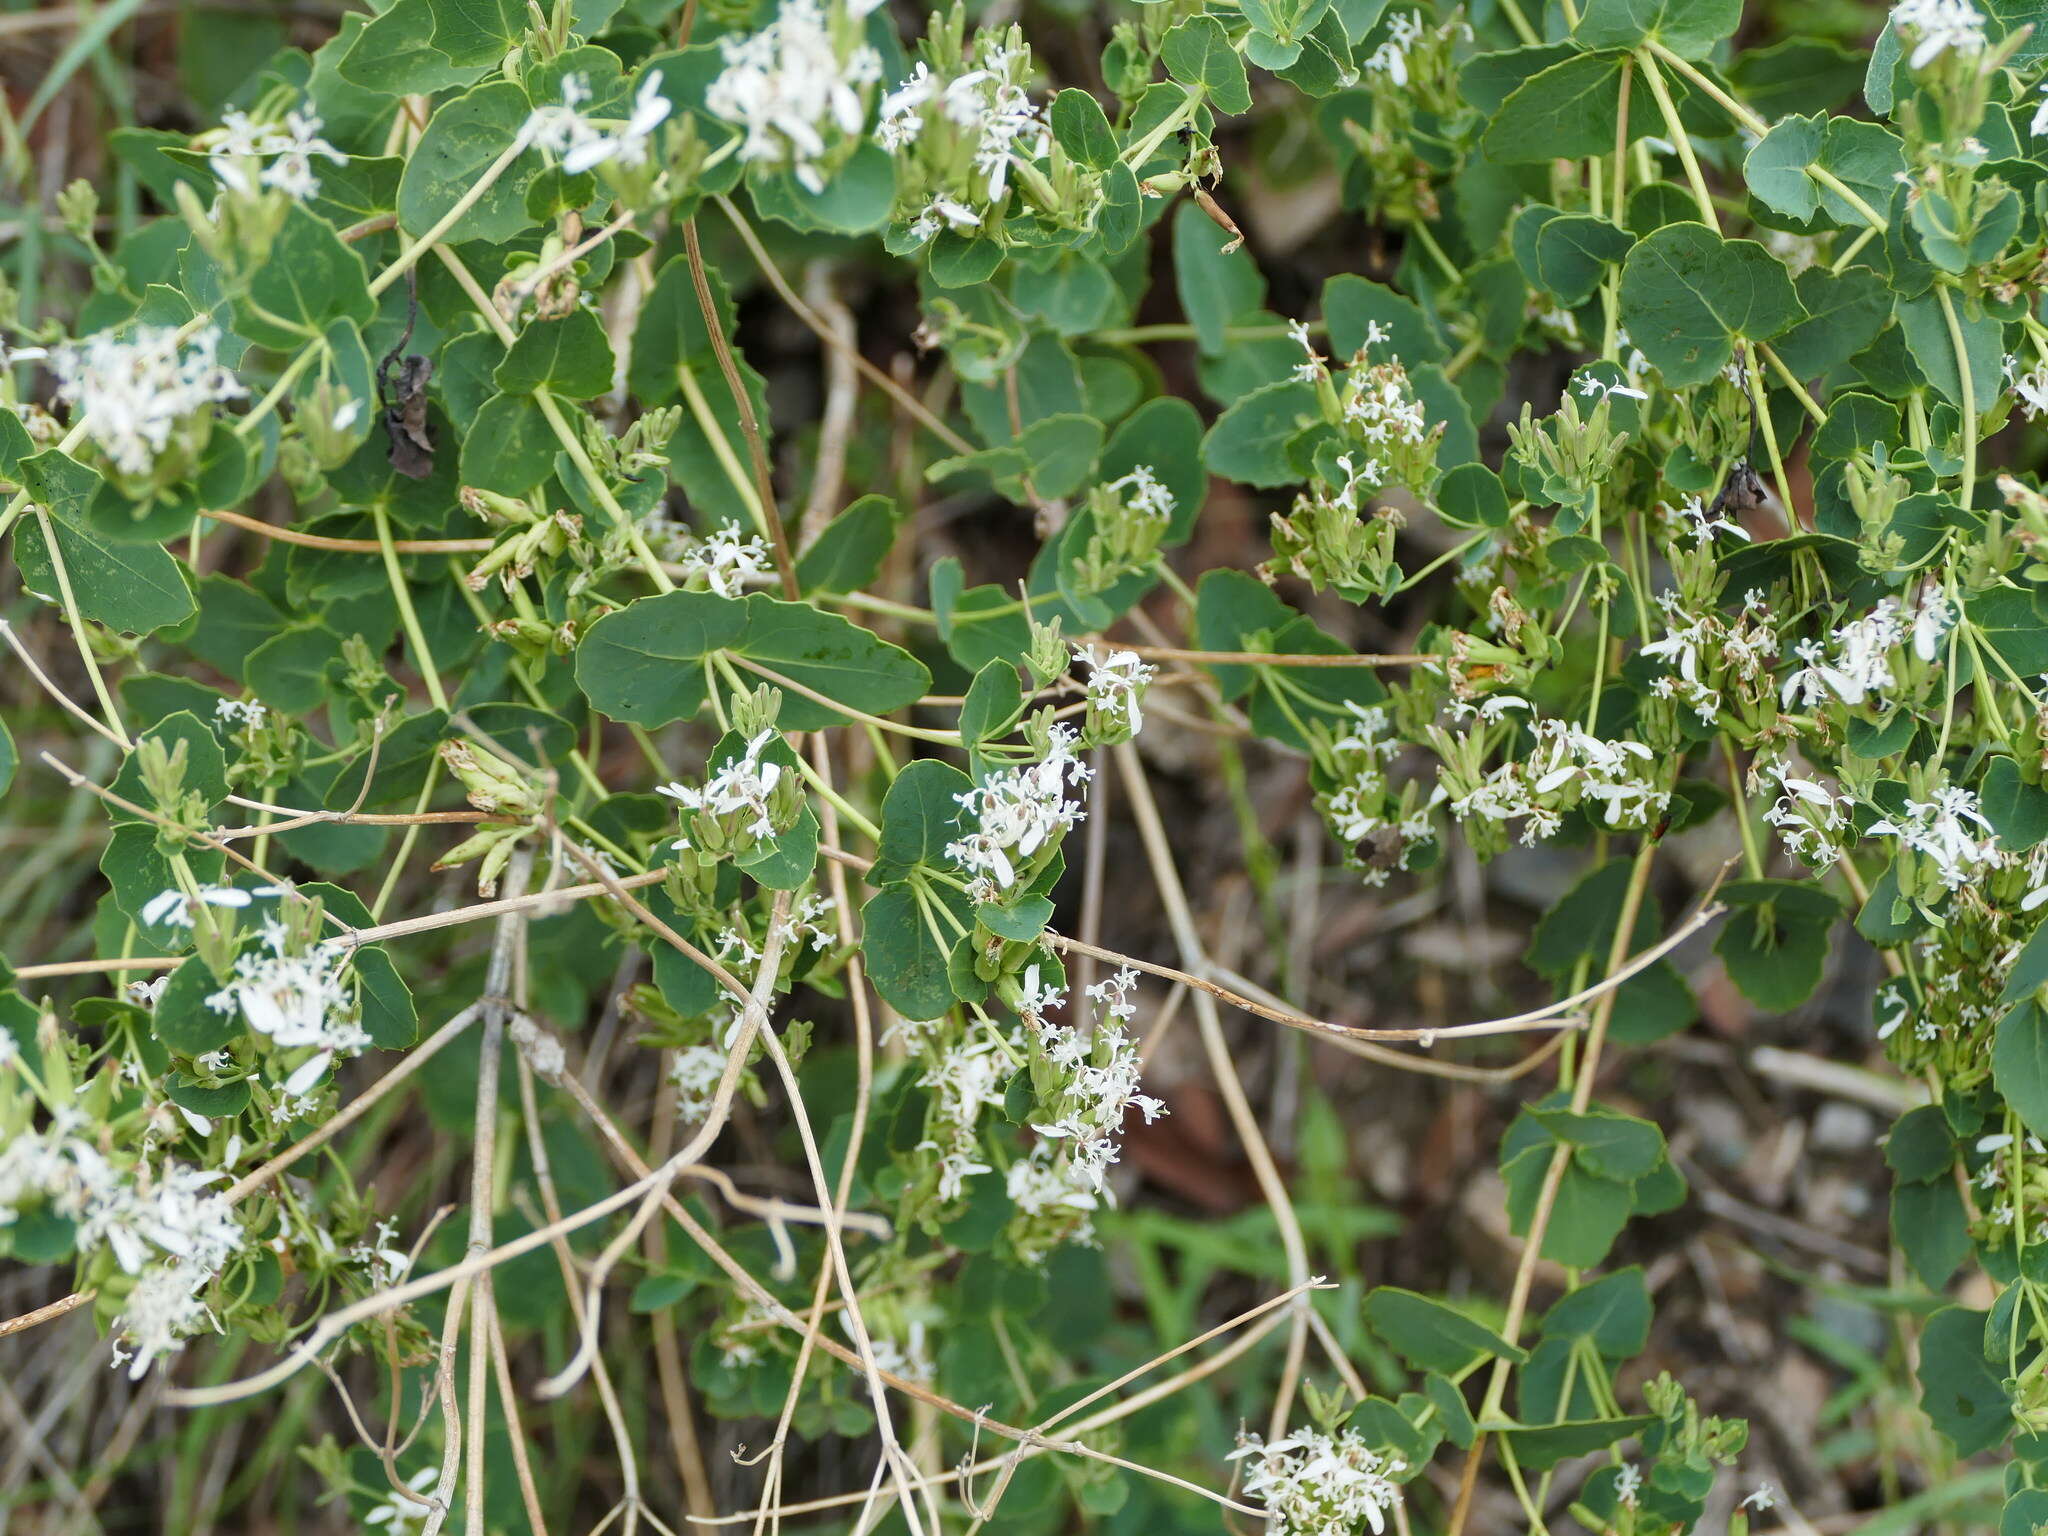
<point x="1761" y="1498"/>
<point x="172" y="908"/>
<point x="1591" y="385"/>
<point x="1142" y="492"/>
<point x="1936" y="27"/>
<point x="1932" y="619"/>
<point x="297" y="1000"/>
<point x="2031" y="388"/>
<point x="1860" y="666"/>
<point x="793" y="85"/>
<point x="988" y="108"/>
<point x="397" y="1512"/>
<point x="726" y="558"/>
<point x="1314" y="1484"/>
<point x="239" y="145"/>
<point x="1116" y="685"/>
<point x="695" y="1072"/>
<point x="1310" y="369"/>
<point x="2040" y="124"/>
<point x="1941" y="829"/>
<point x="1404" y="28"/>
<point x="1017" y="812"/>
<point x="291" y="172"/>
<point x="580" y="144"/>
<point x="134" y="391"/>
<point x="239" y="712"/>
<point x="741" y="787"/>
<point x="1628" y="1484"/>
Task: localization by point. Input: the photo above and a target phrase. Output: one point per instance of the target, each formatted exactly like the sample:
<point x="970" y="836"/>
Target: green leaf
<point x="1248" y="442"/>
<point x="1568" y="110"/>
<point x="134" y="588"/>
<point x="2011" y="622"/>
<point x="646" y="662"/>
<point x="477" y="31"/>
<point x="905" y="960"/>
<point x="1920" y="1148"/>
<point x="1542" y="1446"/>
<point x="182" y="1019"/>
<point x="2019" y="1063"/>
<point x="1775" y="943"/>
<point x="1431" y="1335"/>
<point x="1218" y="288"/>
<point x="1931" y="1228"/>
<point x="463" y="139"/>
<point x="1687" y="295"/>
<point x="394" y="55"/>
<point x="1082" y="130"/>
<point x="1165" y="437"/>
<point x="510" y="446"/>
<point x="830" y="655"/>
<point x="1353" y="304"/>
<point x="1959" y="1390"/>
<point x="1613" y="1311"/>
<point x="1609" y="1145"/>
<point x="920" y="815"/>
<point x="1865" y="157"/>
<point x="2017" y="810"/>
<point x="1198" y="52"/>
<point x="1934" y="348"/>
<point x="569" y="357"/>
<point x="309" y="280"/>
<point x="1689" y="28"/>
<point x="850" y="549"/>
<point x="1573" y="253"/>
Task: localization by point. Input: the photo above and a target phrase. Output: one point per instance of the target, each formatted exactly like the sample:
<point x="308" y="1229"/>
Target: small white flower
<point x="1936" y="27"/>
<point x="399" y="1514"/>
<point x="132" y="392"/>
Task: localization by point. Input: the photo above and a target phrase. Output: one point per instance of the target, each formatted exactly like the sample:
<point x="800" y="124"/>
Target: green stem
<point x="408" y="618"/>
<point x="1680" y="141"/>
<point x="1968" y="385"/>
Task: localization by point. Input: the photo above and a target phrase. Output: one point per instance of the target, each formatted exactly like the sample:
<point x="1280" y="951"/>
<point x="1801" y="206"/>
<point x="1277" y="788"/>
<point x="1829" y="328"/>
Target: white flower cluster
<point x="2030" y="385"/>
<point x="1140" y="492"/>
<point x="726" y="558"/>
<point x="1017" y="813"/>
<point x="239" y="712"/>
<point x="740" y="788"/>
<point x="797" y="84"/>
<point x="966" y="1078"/>
<point x="1381" y="408"/>
<point x="1950" y="832"/>
<point x="1404" y="30"/>
<point x="1100" y="1084"/>
<point x="578" y="144"/>
<point x="134" y="391"/>
<point x="1116" y="688"/>
<point x="1315" y="1484"/>
<point x="988" y="109"/>
<point x="169" y="1229"/>
<point x="695" y="1071"/>
<point x="1857" y="662"/>
<point x="174" y="908"/>
<point x="1568" y="764"/>
<point x="297" y="1000"/>
<point x="1707" y="652"/>
<point x="241" y="147"/>
<point x="1812" y="820"/>
<point x="1936" y="27"/>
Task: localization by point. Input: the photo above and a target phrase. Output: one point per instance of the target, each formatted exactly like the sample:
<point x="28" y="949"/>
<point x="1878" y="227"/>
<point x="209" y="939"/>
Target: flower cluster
<point x="967" y="128"/>
<point x="745" y="800"/>
<point x="1858" y="661"/>
<point x="799" y="89"/>
<point x="1566" y="766"/>
<point x="1116" y="686"/>
<point x="246" y="155"/>
<point x="168" y="1230"/>
<point x="725" y="559"/>
<point x="580" y="144"/>
<point x="1935" y="27"/>
<point x="1317" y="1484"/>
<point x="137" y="393"/>
<point x="1019" y="816"/>
<point x="298" y="1000"/>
